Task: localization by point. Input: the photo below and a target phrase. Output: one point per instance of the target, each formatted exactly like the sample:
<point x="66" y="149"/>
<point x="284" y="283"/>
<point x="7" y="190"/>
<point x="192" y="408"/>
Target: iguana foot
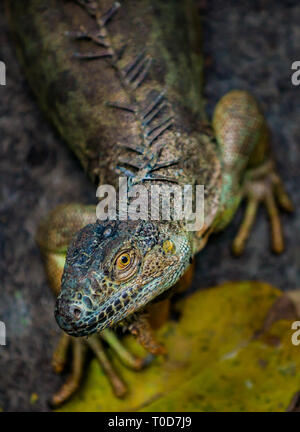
<point x="263" y="185"/>
<point x="58" y="364"/>
<point x="79" y="348"/>
<point x="142" y="330"/>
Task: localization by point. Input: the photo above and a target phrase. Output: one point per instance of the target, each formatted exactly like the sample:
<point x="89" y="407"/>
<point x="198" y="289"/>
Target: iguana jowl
<point x="122" y="83"/>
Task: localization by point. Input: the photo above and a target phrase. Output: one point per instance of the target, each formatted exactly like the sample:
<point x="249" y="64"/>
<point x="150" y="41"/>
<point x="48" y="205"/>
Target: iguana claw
<point x="263" y="185"/>
<point x="79" y="348"/>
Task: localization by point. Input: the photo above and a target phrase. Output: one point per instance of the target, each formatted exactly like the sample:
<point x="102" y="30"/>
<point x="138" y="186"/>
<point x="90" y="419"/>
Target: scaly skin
<point x="129" y="103"/>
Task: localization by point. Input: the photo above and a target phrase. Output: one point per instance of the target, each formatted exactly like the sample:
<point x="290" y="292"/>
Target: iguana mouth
<point x="77" y="318"/>
<point x="77" y="331"/>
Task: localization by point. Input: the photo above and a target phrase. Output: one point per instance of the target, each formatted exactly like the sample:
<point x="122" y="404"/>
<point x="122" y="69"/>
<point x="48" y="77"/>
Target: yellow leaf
<point x="213" y="363"/>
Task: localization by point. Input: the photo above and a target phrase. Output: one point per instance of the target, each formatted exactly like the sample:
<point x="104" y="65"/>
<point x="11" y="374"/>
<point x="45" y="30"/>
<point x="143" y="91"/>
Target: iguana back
<point x="117" y="80"/>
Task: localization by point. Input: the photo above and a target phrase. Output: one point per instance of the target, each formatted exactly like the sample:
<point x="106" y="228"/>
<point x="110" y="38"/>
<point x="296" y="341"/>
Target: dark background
<point x="249" y="45"/>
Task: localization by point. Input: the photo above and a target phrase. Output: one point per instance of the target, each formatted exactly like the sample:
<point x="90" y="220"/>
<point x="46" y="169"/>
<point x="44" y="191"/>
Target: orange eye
<point x="123" y="261"/>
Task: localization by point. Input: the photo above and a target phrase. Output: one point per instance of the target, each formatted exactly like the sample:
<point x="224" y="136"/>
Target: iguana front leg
<point x="248" y="168"/>
<point x="54" y="235"/>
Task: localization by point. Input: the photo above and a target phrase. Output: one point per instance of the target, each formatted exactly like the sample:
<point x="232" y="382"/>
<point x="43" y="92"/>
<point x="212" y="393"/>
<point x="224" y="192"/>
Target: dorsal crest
<point x="153" y="115"/>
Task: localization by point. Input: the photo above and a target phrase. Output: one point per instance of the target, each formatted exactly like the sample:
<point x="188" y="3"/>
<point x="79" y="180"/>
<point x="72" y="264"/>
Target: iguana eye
<point x="125" y="265"/>
<point x="123" y="261"/>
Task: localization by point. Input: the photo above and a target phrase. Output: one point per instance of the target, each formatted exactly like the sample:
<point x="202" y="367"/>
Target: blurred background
<point x="248" y="44"/>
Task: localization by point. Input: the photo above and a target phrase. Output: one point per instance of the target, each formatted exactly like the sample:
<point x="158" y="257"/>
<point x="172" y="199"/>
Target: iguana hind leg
<point x="248" y="169"/>
<point x="263" y="185"/>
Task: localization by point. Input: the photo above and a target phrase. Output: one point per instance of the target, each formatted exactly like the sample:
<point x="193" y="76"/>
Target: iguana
<point x="122" y="83"/>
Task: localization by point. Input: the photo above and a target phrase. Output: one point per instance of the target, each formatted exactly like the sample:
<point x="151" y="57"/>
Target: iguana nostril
<point x="76" y="312"/>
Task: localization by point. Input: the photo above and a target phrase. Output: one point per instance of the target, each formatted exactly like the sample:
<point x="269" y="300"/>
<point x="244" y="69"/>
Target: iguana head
<point x="114" y="269"/>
